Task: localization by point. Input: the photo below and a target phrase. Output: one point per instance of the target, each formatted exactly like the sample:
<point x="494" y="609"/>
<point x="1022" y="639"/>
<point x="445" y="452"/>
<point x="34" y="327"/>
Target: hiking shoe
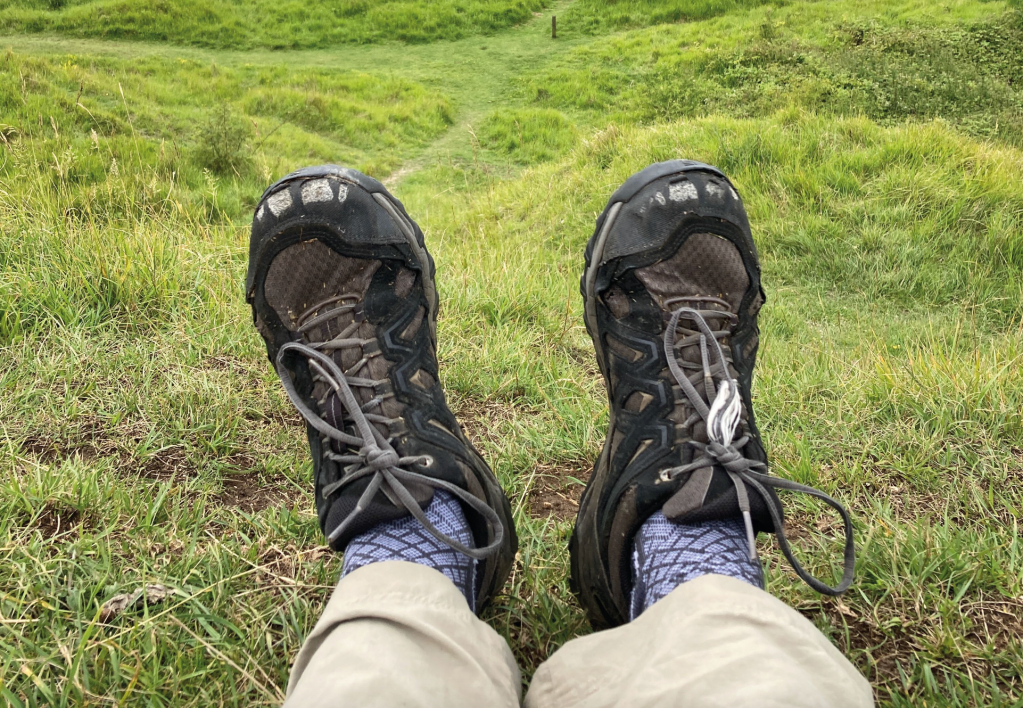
<point x="342" y="291"/>
<point x="671" y="291"/>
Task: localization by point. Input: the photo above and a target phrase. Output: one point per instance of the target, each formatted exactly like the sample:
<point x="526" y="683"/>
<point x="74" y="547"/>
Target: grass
<point x="846" y="60"/>
<point x="527" y="135"/>
<point x="600" y="16"/>
<point x="323" y="24"/>
<point x="263" y="23"/>
<point x="145" y="439"/>
<point x="105" y="150"/>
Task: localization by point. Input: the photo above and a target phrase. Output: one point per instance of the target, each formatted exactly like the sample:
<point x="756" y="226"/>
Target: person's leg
<point x="342" y="291"/>
<point x="664" y="542"/>
<point x="713" y="641"/>
<point x="401" y="634"/>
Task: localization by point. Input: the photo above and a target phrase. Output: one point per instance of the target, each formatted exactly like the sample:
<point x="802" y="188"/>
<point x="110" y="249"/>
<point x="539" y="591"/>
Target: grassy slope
<point x="138" y="407"/>
<point x="878" y="61"/>
<point x="328" y="23"/>
<point x="267" y="23"/>
<point x="114" y="145"/>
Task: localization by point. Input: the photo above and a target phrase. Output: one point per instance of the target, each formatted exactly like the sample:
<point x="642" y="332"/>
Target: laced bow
<point x="722" y="418"/>
<point x="366" y="452"/>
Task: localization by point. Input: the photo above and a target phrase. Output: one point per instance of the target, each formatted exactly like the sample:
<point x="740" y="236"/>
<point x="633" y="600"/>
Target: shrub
<point x="222" y="142"/>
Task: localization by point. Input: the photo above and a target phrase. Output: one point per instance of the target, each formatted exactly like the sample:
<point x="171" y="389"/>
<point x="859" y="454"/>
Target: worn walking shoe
<point x="671" y="291"/>
<point x="342" y="291"/>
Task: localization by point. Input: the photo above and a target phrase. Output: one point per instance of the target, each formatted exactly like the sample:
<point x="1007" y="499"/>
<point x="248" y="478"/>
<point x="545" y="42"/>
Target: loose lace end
<point x="751" y="536"/>
<point x="376" y="458"/>
<point x="723" y="420"/>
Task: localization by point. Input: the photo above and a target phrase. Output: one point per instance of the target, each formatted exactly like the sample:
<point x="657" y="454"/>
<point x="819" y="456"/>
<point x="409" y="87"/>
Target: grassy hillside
<point x="95" y="146"/>
<point x="889" y="63"/>
<point x="146" y="441"/>
<point x="328" y="23"/>
<point x="265" y="23"/>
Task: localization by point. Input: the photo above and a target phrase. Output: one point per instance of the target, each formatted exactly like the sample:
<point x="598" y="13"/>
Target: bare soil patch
<point x="481" y="420"/>
<point x="166" y="464"/>
<point x="294" y="569"/>
<point x="251" y="493"/>
<point x="888" y="649"/>
<point x="88" y="439"/>
<point x="58" y="519"/>
<point x="892" y="638"/>
<point x="554" y="492"/>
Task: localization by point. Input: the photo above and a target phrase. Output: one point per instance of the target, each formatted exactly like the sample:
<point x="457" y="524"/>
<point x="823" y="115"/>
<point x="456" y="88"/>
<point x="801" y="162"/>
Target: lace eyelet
<point x="427" y="461"/>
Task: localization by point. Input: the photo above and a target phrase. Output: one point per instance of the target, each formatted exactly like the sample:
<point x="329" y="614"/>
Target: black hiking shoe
<point x="342" y="290"/>
<point x="671" y="290"/>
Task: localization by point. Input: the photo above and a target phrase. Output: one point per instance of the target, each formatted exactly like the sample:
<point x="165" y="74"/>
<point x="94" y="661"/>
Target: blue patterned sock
<point x="666" y="554"/>
<point x="407" y="540"/>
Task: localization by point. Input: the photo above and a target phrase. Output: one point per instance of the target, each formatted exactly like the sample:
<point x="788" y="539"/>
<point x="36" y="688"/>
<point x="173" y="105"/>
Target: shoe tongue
<point x="705" y="266"/>
<point x="354" y="362"/>
<point x="333" y="413"/>
<point x="333" y="409"/>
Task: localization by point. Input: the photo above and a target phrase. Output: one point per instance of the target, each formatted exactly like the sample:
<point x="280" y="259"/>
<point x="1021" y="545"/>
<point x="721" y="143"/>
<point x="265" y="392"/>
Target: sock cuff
<point x="666" y="554"/>
<point x="407" y="539"/>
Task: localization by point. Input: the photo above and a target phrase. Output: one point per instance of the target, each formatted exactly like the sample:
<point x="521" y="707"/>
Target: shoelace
<point x="722" y="419"/>
<point x="372" y="455"/>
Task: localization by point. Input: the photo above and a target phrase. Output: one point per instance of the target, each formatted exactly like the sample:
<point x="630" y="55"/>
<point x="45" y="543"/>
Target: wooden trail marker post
<point x="554" y="26"/>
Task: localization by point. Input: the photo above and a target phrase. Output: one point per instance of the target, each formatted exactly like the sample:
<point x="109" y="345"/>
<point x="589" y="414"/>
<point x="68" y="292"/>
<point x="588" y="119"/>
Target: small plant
<point x="221" y="145"/>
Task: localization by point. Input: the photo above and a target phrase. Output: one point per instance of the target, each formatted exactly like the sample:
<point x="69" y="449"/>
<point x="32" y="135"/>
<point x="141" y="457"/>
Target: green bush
<point x="220" y="145"/>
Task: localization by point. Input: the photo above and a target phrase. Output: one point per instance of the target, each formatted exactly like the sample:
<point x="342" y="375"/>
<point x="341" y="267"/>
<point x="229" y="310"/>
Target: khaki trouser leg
<point x="713" y="641"/>
<point x="398" y="634"/>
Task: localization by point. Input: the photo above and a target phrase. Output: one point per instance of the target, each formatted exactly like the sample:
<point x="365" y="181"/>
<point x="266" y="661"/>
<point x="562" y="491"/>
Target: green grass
<point x="144" y="438"/>
<point x="599" y="16"/>
<point x="102" y="151"/>
<point x="322" y="24"/>
<point x="527" y="135"/>
<point x="264" y="23"/>
<point x="846" y="60"/>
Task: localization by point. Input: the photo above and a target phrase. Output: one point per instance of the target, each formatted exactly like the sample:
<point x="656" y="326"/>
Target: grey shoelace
<point x="372" y="455"/>
<point x="722" y="419"/>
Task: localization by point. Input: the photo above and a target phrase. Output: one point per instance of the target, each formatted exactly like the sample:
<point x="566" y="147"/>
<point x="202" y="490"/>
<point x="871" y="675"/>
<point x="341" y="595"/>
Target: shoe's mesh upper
<point x="308" y="273"/>
<point x="706" y="264"/>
